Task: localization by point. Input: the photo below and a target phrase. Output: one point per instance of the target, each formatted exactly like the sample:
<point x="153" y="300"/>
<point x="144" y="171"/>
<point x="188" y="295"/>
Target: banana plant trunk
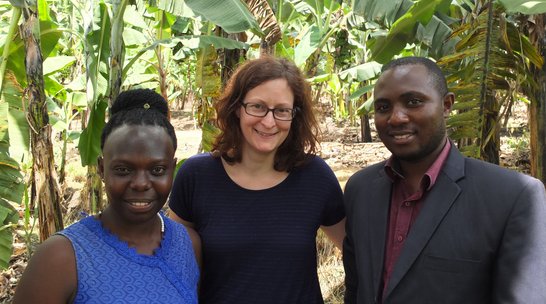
<point x="45" y="191"/>
<point x="538" y="108"/>
<point x="230" y="58"/>
<point x="117" y="49"/>
<point x="491" y="129"/>
<point x="93" y="201"/>
<point x="490" y="132"/>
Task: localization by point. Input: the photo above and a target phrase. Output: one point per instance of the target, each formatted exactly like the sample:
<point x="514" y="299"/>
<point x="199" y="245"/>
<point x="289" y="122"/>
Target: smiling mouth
<point x="140" y="204"/>
<point x="265" y="134"/>
<point x="402" y="137"/>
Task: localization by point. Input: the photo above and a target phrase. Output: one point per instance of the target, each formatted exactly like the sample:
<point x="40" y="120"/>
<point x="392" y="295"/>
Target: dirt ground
<point x="340" y="147"/>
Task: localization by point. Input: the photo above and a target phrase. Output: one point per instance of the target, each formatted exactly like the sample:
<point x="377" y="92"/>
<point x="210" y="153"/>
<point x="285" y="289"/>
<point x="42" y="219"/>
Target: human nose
<point x="269" y="120"/>
<point x="398" y="116"/>
<point x="140" y="181"/>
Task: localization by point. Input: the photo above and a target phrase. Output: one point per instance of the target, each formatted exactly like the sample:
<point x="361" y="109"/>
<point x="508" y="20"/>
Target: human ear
<point x="449" y="100"/>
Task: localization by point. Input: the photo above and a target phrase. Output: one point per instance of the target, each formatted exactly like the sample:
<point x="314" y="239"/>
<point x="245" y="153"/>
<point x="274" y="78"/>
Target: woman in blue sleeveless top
<point x="130" y="253"/>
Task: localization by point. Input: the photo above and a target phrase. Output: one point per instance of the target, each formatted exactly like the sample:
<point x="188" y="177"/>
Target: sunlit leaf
<point x="402" y="31"/>
<point x="307" y="45"/>
<point x="54" y="64"/>
<point x="133" y="37"/>
<point x="361" y="72"/>
<point x="361" y="91"/>
<point x="366" y="107"/>
<point x="232" y="15"/>
<point x="209" y="133"/>
<point x="529" y="7"/>
<point x="89" y="144"/>
<point x="208" y="72"/>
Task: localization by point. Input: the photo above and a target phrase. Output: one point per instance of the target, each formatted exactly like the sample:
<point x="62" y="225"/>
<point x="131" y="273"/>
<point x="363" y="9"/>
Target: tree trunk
<point x="46" y="195"/>
<point x="490" y="136"/>
<point x="491" y="127"/>
<point x="365" y="131"/>
<point x="117" y="50"/>
<point x="92" y="191"/>
<point x="230" y="58"/>
<point x="537" y="119"/>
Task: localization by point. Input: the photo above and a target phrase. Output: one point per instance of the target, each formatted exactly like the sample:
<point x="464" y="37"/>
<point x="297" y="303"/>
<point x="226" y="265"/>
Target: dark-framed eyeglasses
<point x="260" y="110"/>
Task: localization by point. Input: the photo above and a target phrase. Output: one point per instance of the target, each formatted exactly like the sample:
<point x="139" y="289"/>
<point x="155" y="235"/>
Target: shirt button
<point x="400" y="238"/>
<point x="407" y="204"/>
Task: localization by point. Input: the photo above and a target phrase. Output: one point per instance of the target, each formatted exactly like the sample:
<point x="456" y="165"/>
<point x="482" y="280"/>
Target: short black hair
<point x="436" y="74"/>
<point x="142" y="107"/>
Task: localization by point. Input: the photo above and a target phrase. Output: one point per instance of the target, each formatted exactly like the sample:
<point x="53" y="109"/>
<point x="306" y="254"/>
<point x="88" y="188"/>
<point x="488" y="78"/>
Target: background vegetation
<point x="64" y="61"/>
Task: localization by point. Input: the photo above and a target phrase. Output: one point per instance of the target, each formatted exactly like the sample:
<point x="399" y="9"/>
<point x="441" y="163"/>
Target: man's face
<point x="410" y="113"/>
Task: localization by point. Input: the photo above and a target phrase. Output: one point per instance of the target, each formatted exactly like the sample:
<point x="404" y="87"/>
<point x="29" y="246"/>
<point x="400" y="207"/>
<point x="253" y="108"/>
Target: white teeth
<point x="140" y="204"/>
<point x="264" y="134"/>
<point x="405" y="136"/>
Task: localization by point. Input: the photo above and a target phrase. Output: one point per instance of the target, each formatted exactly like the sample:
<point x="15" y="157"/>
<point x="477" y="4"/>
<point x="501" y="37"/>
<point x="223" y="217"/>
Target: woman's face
<point x="264" y="135"/>
<point x="137" y="167"/>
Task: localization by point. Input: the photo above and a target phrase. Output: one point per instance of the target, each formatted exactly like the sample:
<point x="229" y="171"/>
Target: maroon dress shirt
<point x="405" y="207"/>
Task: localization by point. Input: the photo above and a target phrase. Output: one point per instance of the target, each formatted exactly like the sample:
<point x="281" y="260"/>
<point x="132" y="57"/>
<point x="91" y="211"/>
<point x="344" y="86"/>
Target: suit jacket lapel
<point x="436" y="205"/>
<point x="379" y="213"/>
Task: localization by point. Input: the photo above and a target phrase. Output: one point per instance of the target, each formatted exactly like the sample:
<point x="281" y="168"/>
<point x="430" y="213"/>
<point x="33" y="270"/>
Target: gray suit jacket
<point x="479" y="238"/>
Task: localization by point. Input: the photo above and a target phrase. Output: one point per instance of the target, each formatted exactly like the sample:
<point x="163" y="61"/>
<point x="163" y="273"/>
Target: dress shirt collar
<point x="392" y="168"/>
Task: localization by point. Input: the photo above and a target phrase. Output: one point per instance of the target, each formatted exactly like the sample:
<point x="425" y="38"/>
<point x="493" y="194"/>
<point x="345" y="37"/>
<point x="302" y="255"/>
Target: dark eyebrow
<point x="380" y="100"/>
<point x="410" y="94"/>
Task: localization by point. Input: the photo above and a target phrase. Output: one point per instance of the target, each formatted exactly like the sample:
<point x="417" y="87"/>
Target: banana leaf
<point x="8" y="216"/>
<point x="232" y="15"/>
<point x="361" y="72"/>
<point x="528" y="7"/>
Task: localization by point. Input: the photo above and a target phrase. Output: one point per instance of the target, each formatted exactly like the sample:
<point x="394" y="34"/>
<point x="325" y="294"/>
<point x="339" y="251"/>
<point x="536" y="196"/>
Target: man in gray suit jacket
<point x="430" y="225"/>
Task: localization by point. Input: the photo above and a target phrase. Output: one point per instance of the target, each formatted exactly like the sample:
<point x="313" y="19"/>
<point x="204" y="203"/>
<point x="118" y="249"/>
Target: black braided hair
<point x="142" y="107"/>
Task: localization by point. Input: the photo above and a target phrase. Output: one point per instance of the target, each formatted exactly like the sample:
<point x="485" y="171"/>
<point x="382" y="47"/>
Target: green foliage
<point x="529" y="7"/>
<point x="208" y="72"/>
<point x="89" y="149"/>
<point x="511" y="56"/>
<point x="423" y="23"/>
<point x="210" y="132"/>
<point x="232" y="15"/>
<point x="308" y="44"/>
<point x="361" y="72"/>
<point x="403" y="30"/>
<point x="343" y="49"/>
<point x="171" y="45"/>
<point x="11" y="187"/>
<point x="8" y="219"/>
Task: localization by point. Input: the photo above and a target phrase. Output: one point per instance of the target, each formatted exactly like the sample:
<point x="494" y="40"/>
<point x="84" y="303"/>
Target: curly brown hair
<point x="302" y="140"/>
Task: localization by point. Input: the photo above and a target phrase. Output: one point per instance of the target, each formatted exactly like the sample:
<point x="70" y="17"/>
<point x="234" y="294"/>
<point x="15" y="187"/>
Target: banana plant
<point x="11" y="178"/>
<point x="492" y="59"/>
<point x="268" y="24"/>
<point x="96" y="28"/>
<point x="46" y="191"/>
<point x="232" y="16"/>
<point x="318" y="22"/>
<point x="527" y="7"/>
<point x="533" y="27"/>
<point x="423" y="22"/>
<point x="11" y="118"/>
<point x="473" y="55"/>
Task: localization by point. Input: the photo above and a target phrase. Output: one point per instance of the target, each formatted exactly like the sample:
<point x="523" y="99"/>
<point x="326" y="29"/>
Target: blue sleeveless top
<point x="109" y="271"/>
